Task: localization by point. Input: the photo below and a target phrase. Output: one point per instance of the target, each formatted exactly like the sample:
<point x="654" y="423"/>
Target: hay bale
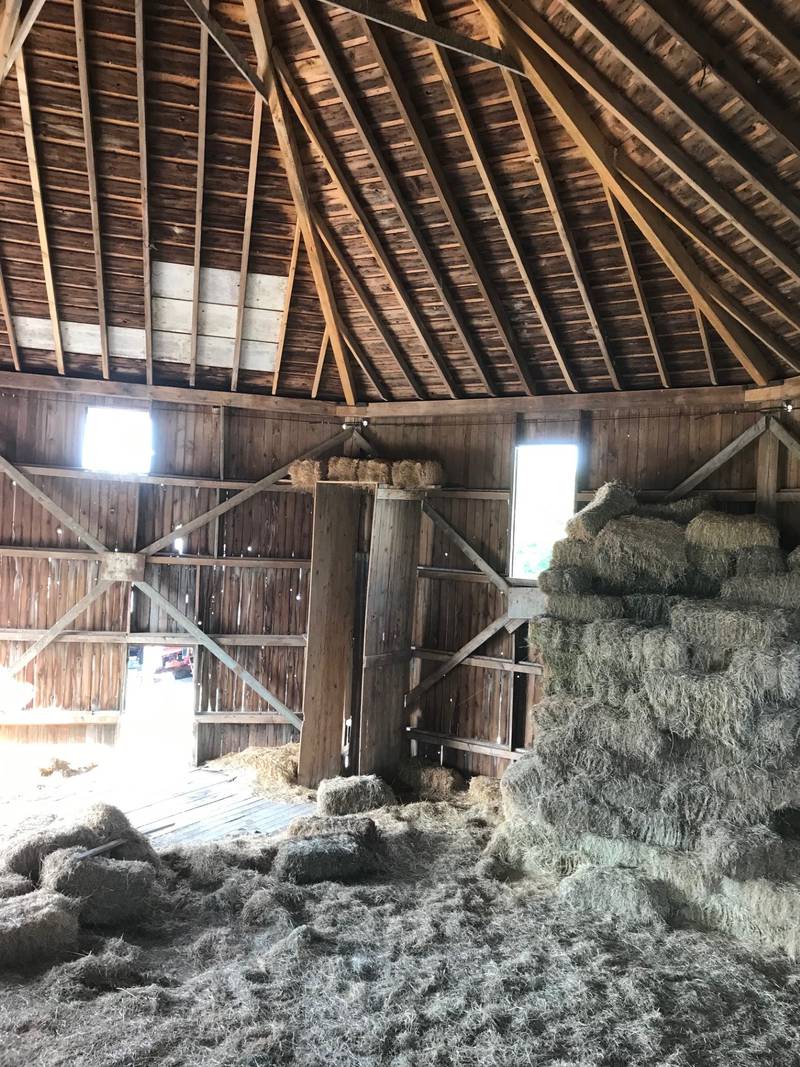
<point x="649" y="609"/>
<point x="25" y="853"/>
<point x="683" y="510"/>
<point x="110" y="892"/>
<point x="615" y="893"/>
<point x="342" y="469"/>
<point x="691" y="704"/>
<point x="429" y="781"/>
<point x="36" y="927"/>
<point x="793" y="559"/>
<point x="331" y="858"/>
<point x="267" y="767"/>
<point x="375" y="470"/>
<point x="723" y="532"/>
<point x="519" y="845"/>
<point x="109" y="823"/>
<point x="610" y="501"/>
<point x="346" y="796"/>
<point x="760" y="561"/>
<point x="360" y="827"/>
<point x="305" y="473"/>
<point x="575" y="608"/>
<point x="779" y="591"/>
<point x="636" y="554"/>
<point x="724" y="624"/>
<point x="748" y="852"/>
<point x="711" y="563"/>
<point x="565" y="580"/>
<point x="417" y="474"/>
<point x="571" y="553"/>
<point x="14" y="885"/>
<point x="484" y="792"/>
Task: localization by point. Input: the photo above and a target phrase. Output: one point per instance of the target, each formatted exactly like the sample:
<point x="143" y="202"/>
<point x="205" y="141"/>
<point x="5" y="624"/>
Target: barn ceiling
<point x="449" y="198"/>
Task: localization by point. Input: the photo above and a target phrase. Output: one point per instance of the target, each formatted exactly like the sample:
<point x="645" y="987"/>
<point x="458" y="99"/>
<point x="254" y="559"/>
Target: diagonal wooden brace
<point x="62" y="624"/>
<point x="472" y="555"/>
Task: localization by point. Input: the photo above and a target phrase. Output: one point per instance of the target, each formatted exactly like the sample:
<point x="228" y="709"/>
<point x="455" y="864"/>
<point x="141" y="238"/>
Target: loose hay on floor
<point x="270" y="770"/>
<point x="347" y="796"/>
<point x="35" y="927"/>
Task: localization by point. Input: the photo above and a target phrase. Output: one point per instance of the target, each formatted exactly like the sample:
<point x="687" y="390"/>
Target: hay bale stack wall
<point x="669" y="736"/>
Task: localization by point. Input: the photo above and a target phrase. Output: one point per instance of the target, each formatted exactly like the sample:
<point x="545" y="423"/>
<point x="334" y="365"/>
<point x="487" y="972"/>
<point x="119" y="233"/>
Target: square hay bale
<point x="746" y="852"/>
<point x="683" y="510"/>
<point x="37" y="927"/>
<point x="375" y="470"/>
<point x="610" y="501"/>
<point x="519" y="845"/>
<point x="615" y="893"/>
<point x="360" y="827"/>
<point x="484" y="792"/>
<point x="417" y="474"/>
<point x="25" y="853"/>
<point x="778" y="591"/>
<point x="573" y="607"/>
<point x="14" y="885"/>
<point x="769" y="676"/>
<point x="571" y="553"/>
<point x="110" y="892"/>
<point x="305" y="473"/>
<point x="690" y="704"/>
<point x="565" y="580"/>
<point x="347" y="796"/>
<point x="760" y="561"/>
<point x="649" y="609"/>
<point x="641" y="555"/>
<point x="429" y="781"/>
<point x="342" y="469"/>
<point x="793" y="559"/>
<point x="331" y="858"/>
<point x="109" y="824"/>
<point x="715" y="564"/>
<point x="724" y="624"/>
<point x="723" y="532"/>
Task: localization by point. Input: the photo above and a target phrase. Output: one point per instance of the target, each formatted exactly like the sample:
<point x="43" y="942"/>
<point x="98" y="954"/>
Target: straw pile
<point x="671" y="725"/>
<point x="305" y="473"/>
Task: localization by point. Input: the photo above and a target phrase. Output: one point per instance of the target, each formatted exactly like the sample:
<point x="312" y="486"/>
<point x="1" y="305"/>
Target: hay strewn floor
<point x="423" y="963"/>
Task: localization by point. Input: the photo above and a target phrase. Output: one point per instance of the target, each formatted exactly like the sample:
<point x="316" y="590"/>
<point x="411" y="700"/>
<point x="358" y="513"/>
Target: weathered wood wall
<point x="652" y="448"/>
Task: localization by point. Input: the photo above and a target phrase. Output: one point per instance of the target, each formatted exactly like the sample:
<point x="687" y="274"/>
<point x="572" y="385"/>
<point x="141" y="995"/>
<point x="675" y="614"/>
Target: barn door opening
<point x="156" y="725"/>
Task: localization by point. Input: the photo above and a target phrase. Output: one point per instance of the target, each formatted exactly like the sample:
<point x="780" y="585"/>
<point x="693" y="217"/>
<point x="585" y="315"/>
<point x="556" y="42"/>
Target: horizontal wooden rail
<point x="178" y="638"/>
<point x="463" y="744"/>
<point x="238" y="718"/>
<point x="490" y="663"/>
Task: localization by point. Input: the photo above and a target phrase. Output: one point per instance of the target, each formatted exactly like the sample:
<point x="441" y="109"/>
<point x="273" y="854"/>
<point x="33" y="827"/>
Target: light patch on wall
<point x="172" y="321"/>
<point x="119" y="440"/>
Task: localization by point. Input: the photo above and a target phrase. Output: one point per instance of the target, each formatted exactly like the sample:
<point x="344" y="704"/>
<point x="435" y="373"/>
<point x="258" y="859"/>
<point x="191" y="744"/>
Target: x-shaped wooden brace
<point x="129" y="567"/>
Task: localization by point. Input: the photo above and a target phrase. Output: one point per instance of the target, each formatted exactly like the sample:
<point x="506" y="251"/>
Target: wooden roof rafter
<point x="10" y="48"/>
<point x="320" y="40"/>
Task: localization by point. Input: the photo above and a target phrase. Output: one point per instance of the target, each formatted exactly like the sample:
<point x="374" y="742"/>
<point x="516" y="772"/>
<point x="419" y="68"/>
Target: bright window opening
<point x="118" y="440"/>
<point x="544" y="499"/>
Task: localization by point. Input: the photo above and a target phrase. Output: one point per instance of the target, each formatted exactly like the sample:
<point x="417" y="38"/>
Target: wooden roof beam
<point x="698" y="117"/>
<point x="533" y="142"/>
<point x="570" y="111"/>
<point x="9" y="21"/>
<point x="323" y="148"/>
<point x="636" y="282"/>
<point x="269" y="91"/>
<point x="8" y="322"/>
<point x="10" y="50"/>
<point x="719" y="59"/>
<point x="202" y="111"/>
<point x="38" y="207"/>
<point x="542" y="34"/>
<point x="492" y="189"/>
<point x="768" y="19"/>
<point x="91" y="173"/>
<point x="397" y="84"/>
<point x="141" y="105"/>
<point x="287" y="303"/>
<point x="340" y="83"/>
<point x="447" y="39"/>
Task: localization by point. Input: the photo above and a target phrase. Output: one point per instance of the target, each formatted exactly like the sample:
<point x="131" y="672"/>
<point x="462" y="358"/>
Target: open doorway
<point x="156" y="726"/>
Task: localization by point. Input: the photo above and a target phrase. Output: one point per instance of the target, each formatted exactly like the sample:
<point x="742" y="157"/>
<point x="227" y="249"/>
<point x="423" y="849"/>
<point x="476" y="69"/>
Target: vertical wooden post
<point x="767" y="475"/>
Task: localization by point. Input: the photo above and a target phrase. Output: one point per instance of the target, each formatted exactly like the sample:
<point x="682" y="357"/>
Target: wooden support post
<point x="203" y="639"/>
<point x="767" y="474"/>
<point x="704" y="341"/>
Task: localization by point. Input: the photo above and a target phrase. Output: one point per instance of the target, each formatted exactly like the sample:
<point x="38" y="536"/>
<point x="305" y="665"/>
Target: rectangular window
<point x="544" y="499"/>
<point x="118" y="440"/>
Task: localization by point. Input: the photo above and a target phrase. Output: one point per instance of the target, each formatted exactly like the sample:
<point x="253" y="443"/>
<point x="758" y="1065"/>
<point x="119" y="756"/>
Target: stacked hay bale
<point x="669" y="737"/>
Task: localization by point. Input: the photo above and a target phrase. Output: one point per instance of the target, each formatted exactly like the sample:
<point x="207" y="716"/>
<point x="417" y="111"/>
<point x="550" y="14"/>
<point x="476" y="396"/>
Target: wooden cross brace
<point x="130" y="567"/>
